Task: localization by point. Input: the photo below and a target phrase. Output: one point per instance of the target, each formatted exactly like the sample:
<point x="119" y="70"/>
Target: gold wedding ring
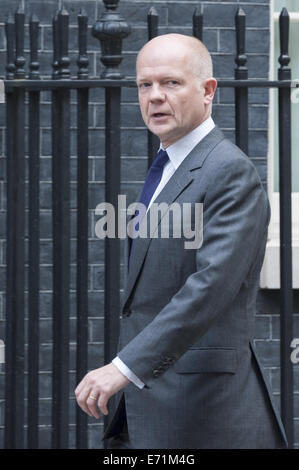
<point x="92" y="397"/>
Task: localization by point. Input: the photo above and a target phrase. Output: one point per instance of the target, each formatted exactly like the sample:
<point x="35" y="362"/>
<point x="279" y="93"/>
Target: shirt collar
<point x="178" y="151"/>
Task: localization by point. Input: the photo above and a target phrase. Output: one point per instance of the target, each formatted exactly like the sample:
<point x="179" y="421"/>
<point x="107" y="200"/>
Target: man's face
<point x="172" y="102"/>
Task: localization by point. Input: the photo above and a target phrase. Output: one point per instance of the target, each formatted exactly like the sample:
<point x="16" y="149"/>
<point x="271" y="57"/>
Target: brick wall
<point x="174" y="16"/>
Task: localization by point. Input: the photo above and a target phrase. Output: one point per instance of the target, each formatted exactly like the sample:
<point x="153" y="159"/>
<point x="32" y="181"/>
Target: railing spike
<point x="198" y="23"/>
<point x="240" y="23"/>
<point x="152" y="23"/>
<point x="82" y="61"/>
<point x="20" y="59"/>
<point x="34" y="18"/>
<point x="241" y="73"/>
<point x="82" y="12"/>
<point x="20" y="8"/>
<point x="240" y="12"/>
<point x="63" y="10"/>
<point x="10" y="18"/>
<point x="284" y="25"/>
<point x="33" y="32"/>
<point x="10" y="41"/>
<point x="56" y="44"/>
<point x="63" y="35"/>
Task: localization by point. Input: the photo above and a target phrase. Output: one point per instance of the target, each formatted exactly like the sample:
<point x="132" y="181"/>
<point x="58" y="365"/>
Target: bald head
<point x="198" y="58"/>
<point x="175" y="85"/>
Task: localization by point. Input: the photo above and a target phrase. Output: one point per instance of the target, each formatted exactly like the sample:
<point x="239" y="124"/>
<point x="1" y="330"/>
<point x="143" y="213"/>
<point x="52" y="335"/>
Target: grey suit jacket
<point x="187" y="324"/>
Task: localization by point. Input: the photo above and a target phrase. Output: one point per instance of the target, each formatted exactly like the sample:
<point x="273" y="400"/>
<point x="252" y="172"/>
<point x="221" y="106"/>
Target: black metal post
<point x="15" y="276"/>
<point x="241" y="93"/>
<point x="61" y="243"/>
<point x="112" y="246"/>
<point x="82" y="229"/>
<point x="110" y="29"/>
<point x="285" y="193"/>
<point x="34" y="252"/>
<point x="14" y="382"/>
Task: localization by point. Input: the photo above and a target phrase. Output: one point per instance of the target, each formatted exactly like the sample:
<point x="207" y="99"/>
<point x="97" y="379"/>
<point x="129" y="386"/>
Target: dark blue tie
<point x="153" y="178"/>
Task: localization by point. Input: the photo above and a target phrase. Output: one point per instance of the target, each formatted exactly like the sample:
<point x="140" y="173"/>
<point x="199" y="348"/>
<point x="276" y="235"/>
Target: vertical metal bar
<point x="34" y="255"/>
<point x="34" y="64"/>
<point x="152" y="140"/>
<point x="63" y="34"/>
<point x="82" y="229"/>
<point x="82" y="257"/>
<point x="198" y="23"/>
<point x="15" y="141"/>
<point x="10" y="45"/>
<point x="241" y="93"/>
<point x="14" y="382"/>
<point x="56" y="48"/>
<point x="82" y="40"/>
<point x="20" y="60"/>
<point x="61" y="265"/>
<point x="10" y="394"/>
<point x="55" y="115"/>
<point x="285" y="192"/>
<point x="61" y="248"/>
<point x="152" y="23"/>
<point x="112" y="247"/>
<point x="10" y="216"/>
<point x="111" y="29"/>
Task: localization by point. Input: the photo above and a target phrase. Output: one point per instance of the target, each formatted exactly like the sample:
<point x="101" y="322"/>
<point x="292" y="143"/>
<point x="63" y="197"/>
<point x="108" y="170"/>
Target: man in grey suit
<point x="186" y="374"/>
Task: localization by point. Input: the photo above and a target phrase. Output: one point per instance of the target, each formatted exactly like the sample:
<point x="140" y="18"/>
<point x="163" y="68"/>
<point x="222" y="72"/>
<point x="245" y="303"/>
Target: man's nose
<point x="157" y="93"/>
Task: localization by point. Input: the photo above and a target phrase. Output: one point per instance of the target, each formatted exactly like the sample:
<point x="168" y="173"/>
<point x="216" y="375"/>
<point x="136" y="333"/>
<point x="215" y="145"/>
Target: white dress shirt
<point x="177" y="152"/>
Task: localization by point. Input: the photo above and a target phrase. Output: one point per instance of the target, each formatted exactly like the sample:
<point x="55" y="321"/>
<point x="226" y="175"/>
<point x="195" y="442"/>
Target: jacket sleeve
<point x="235" y="219"/>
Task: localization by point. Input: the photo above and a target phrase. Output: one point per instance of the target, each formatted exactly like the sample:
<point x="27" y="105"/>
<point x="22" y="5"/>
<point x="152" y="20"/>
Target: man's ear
<point x="209" y="85"/>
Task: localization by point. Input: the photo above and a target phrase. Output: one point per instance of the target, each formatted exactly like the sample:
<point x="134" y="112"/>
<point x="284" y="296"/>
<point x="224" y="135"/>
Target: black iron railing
<point x="110" y="29"/>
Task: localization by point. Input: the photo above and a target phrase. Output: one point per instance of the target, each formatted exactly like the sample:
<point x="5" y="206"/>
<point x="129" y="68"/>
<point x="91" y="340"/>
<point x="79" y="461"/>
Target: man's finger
<point x="102" y="403"/>
<point x="91" y="403"/>
<point x="80" y="387"/>
<point x="82" y="401"/>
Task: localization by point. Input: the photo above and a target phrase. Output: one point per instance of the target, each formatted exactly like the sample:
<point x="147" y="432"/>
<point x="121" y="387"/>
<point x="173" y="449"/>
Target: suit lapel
<point x="179" y="181"/>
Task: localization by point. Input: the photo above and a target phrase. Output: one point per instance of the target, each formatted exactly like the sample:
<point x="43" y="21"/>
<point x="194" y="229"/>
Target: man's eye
<point x="144" y="85"/>
<point x="173" y="82"/>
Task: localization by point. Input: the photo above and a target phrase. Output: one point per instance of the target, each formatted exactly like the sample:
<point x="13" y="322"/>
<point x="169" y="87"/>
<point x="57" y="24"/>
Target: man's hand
<point x="97" y="387"/>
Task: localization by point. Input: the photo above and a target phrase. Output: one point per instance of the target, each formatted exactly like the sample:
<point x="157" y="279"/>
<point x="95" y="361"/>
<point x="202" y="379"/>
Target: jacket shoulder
<point x="228" y="156"/>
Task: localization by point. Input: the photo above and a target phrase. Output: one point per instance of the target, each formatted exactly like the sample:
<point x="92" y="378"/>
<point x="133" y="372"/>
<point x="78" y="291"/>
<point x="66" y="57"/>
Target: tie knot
<point x="161" y="158"/>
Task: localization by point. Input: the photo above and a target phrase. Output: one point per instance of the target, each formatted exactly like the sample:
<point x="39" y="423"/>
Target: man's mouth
<point x="159" y="115"/>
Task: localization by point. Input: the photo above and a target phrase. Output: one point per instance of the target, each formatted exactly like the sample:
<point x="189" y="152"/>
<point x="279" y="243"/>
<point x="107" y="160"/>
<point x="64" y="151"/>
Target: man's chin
<point x="160" y="131"/>
<point x="167" y="138"/>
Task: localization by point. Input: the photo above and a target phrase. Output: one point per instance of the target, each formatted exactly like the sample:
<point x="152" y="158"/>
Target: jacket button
<point x="156" y="372"/>
<point x="167" y="361"/>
